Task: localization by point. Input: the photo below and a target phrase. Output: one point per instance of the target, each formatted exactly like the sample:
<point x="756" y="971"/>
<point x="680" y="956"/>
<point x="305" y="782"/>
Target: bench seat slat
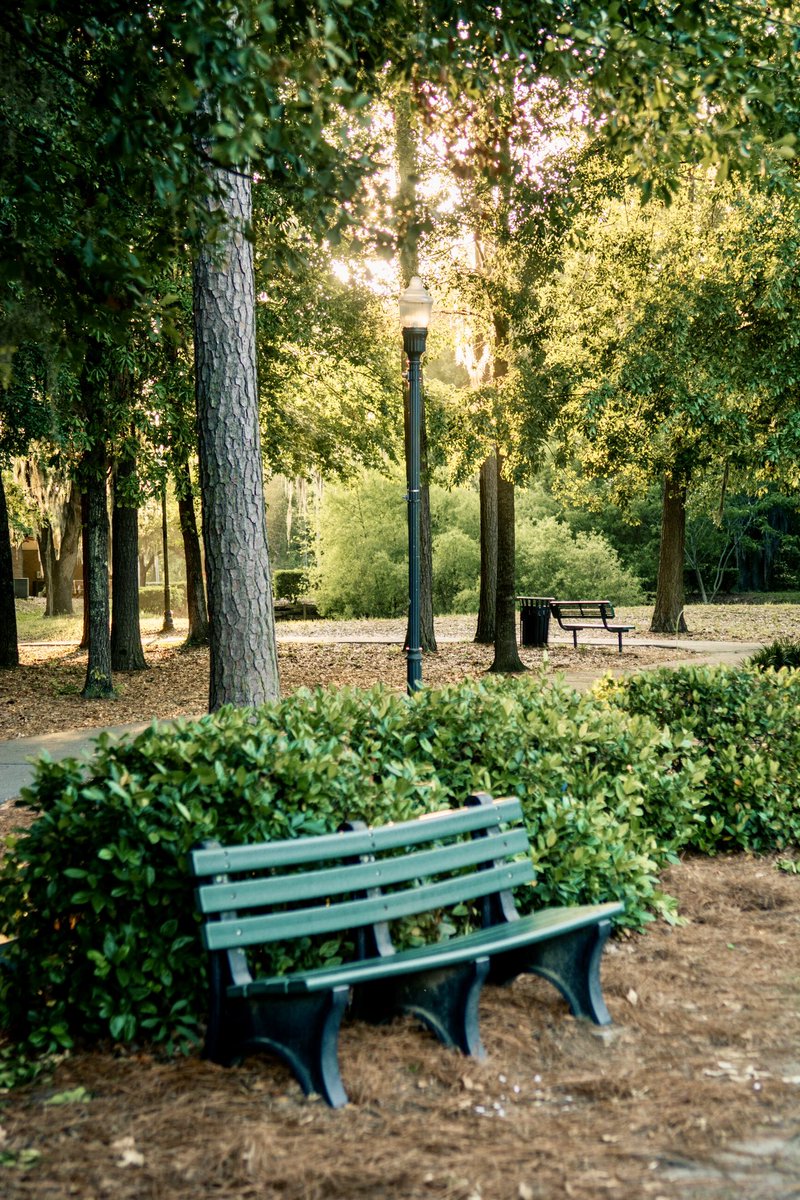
<point x="330" y="846"/>
<point x="528" y="930"/>
<point x="354" y="877"/>
<point x="352" y="914"/>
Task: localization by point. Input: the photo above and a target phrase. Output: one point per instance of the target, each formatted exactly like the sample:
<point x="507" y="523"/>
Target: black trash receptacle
<point x="534" y="620"/>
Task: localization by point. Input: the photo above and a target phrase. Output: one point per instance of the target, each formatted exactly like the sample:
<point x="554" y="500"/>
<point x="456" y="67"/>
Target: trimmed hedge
<point x="744" y="724"/>
<point x="290" y="583"/>
<point x="613" y="783"/>
<point x="151" y="598"/>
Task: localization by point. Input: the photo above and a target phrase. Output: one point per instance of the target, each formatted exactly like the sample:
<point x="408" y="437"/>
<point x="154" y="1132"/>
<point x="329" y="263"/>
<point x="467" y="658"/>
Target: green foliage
<point x="96" y="897"/>
<point x="151" y="598"/>
<point x="96" y="892"/>
<point x="290" y="583"/>
<point x="364" y="554"/>
<point x="783" y="652"/>
<point x="551" y="561"/>
<point x="744" y="723"/>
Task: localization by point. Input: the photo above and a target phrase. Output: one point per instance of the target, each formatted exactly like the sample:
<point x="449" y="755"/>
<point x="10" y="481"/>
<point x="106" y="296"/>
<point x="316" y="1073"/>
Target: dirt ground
<point x="693" y="1093"/>
<point x="42" y="695"/>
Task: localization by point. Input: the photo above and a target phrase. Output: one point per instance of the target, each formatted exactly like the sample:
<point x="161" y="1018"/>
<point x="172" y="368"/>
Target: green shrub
<point x="552" y="561"/>
<point x="291" y="583"/>
<point x="744" y="722"/>
<point x="151" y="598"/>
<point x="783" y="652"/>
<point x="593" y="787"/>
<point x="456" y="566"/>
<point x="96" y="892"/>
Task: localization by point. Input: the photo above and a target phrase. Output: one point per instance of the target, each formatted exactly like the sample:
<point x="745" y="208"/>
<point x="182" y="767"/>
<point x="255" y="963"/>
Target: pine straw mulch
<point x="704" y="1057"/>
<point x="42" y="695"/>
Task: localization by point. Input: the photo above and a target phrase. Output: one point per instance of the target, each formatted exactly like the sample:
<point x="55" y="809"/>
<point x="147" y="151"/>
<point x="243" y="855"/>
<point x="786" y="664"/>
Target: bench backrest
<point x="279" y="891"/>
<point x="571" y="610"/>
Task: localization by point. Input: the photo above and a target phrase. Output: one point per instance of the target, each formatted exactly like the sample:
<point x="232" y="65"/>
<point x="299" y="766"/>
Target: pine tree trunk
<point x="9" y="650"/>
<point x="668" y="610"/>
<point x="98" y="671"/>
<point x="195" y="587"/>
<point x="244" y="663"/>
<point x="126" y="638"/>
<point x="506" y="655"/>
<point x="488" y="594"/>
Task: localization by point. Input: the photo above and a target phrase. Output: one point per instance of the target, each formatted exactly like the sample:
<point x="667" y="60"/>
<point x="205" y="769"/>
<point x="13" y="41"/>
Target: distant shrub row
<point x="613" y="784"/>
<point x="151" y="599"/>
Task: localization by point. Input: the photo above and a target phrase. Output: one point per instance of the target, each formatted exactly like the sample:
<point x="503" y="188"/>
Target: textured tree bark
<point x="59" y="568"/>
<point x="506" y="655"/>
<point x="126" y="638"/>
<point x="669" y="605"/>
<point x="98" y="683"/>
<point x="487" y="602"/>
<point x="406" y="203"/>
<point x="84" y="643"/>
<point x="244" y="663"/>
<point x="9" y="650"/>
<point x="195" y="587"/>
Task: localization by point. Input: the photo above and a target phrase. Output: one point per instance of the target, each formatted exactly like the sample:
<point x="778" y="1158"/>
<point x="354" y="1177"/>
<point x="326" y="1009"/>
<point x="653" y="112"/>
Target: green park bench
<point x="354" y="883"/>
<point x="575" y="615"/>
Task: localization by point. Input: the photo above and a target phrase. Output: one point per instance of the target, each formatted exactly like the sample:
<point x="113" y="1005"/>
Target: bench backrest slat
<point x="305" y="922"/>
<point x="588" y="610"/>
<point x="329" y="847"/>
<point x="355" y="877"/>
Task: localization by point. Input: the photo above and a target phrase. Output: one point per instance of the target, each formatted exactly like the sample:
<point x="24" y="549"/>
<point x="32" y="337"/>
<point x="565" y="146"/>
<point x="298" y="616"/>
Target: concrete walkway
<point x="16" y="768"/>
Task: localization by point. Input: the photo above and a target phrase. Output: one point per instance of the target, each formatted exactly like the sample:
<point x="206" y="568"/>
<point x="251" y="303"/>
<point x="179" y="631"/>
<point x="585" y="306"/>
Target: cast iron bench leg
<point x="303" y="1030"/>
<point x="575" y="638"/>
<point x="445" y="1000"/>
<point x="571" y="962"/>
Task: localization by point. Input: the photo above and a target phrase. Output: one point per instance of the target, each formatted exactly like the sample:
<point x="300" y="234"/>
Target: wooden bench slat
<point x="355" y="877"/>
<point x="305" y="922"/>
<point x="225" y="860"/>
<point x="535" y="927"/>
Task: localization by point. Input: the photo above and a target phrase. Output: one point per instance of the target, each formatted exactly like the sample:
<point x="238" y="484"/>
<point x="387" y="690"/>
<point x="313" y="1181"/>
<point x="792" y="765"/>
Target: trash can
<point x="534" y="620"/>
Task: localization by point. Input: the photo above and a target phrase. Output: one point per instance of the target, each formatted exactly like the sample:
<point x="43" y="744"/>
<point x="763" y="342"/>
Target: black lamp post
<point x="415" y="314"/>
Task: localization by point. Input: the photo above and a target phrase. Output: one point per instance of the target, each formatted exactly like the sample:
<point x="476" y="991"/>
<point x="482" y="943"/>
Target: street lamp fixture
<point x="415" y="314"/>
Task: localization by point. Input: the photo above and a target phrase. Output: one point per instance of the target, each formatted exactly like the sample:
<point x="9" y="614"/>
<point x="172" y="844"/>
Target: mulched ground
<point x="42" y="695"/>
<point x="704" y="1055"/>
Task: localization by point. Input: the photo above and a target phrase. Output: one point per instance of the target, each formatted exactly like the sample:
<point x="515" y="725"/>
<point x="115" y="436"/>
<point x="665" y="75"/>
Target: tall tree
<point x="672" y="347"/>
<point x="126" y="639"/>
<point x="244" y="661"/>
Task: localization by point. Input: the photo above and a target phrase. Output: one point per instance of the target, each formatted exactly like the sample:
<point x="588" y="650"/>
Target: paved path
<point x="16" y="769"/>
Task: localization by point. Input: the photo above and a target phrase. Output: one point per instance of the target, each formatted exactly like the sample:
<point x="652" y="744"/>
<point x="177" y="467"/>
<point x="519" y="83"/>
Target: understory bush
<point x="783" y="652"/>
<point x="744" y="723"/>
<point x="613" y="783"/>
<point x="151" y="598"/>
<point x="96" y="892"/>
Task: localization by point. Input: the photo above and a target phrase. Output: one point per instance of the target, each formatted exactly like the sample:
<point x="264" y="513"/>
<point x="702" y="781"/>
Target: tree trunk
<point x="126" y="638"/>
<point x="47" y="554"/>
<point x="487" y="603"/>
<point x="244" y="662"/>
<point x="59" y="570"/>
<point x="408" y="237"/>
<point x="98" y="671"/>
<point x="506" y="655"/>
<point x="84" y="643"/>
<point x="9" y="650"/>
<point x="195" y="587"/>
<point x="668" y="611"/>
